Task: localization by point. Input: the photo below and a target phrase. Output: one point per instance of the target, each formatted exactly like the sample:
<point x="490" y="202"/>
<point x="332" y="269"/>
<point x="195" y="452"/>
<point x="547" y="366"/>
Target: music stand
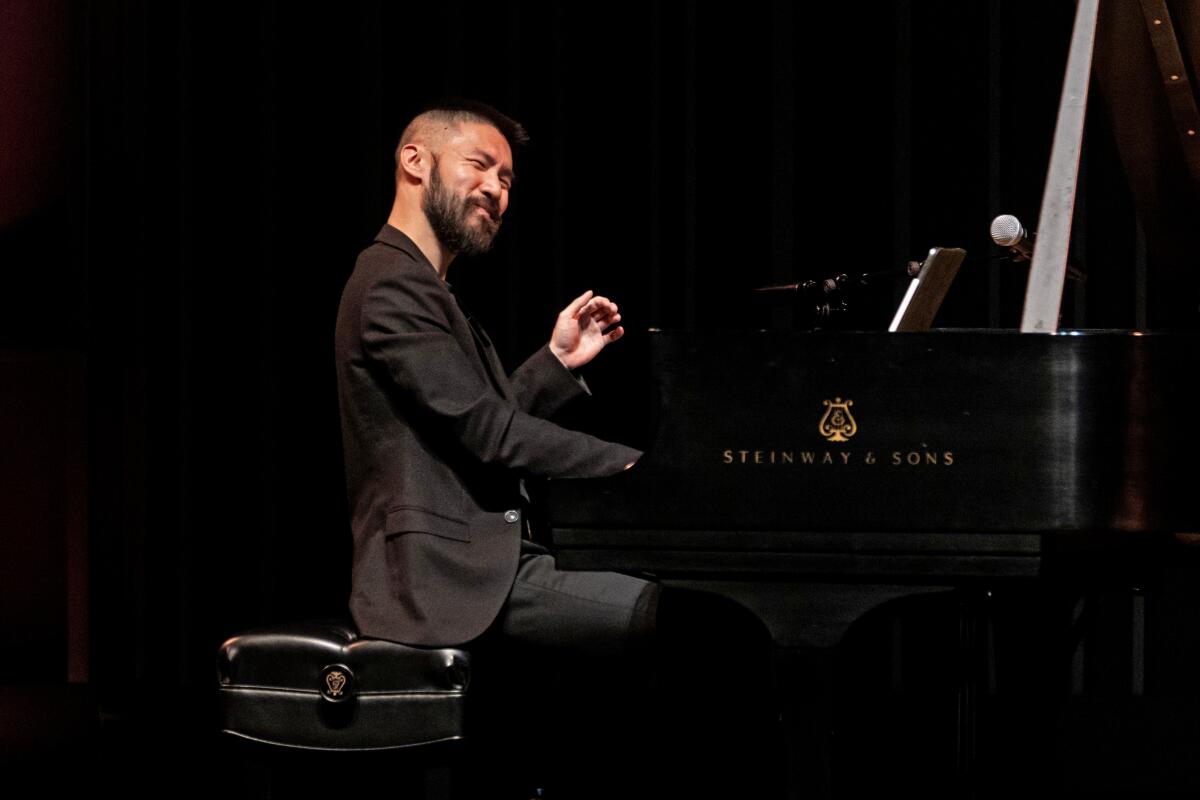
<point x="926" y="292"/>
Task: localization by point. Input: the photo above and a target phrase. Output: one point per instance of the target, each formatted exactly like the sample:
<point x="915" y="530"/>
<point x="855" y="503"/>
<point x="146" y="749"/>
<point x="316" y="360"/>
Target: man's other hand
<point x="584" y="328"/>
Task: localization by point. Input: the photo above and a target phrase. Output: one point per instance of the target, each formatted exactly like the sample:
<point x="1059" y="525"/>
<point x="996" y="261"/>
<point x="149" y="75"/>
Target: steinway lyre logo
<point x="335" y="681"/>
<point x="837" y="424"/>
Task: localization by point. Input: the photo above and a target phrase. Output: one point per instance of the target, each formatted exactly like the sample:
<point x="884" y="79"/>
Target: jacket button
<point x="511" y="516"/>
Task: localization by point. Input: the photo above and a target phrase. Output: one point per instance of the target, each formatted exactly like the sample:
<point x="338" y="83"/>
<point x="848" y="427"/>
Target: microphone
<point x="1007" y="231"/>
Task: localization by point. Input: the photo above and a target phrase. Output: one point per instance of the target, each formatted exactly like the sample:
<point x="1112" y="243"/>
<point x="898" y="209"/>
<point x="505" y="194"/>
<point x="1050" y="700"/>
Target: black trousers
<point x="594" y="613"/>
<point x="600" y="685"/>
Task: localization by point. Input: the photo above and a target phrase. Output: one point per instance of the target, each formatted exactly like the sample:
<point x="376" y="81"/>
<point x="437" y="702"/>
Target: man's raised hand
<point x="584" y="328"/>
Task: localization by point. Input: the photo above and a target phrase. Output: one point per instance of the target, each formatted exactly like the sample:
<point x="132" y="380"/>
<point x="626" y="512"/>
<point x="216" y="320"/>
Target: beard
<point x="453" y="220"/>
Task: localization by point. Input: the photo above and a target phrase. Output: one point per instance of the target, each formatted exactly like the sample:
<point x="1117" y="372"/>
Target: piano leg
<point x="887" y="687"/>
<point x="806" y="623"/>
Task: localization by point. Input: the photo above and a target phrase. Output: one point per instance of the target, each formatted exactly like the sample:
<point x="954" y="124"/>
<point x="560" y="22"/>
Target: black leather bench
<point x="390" y="714"/>
<point x="319" y="685"/>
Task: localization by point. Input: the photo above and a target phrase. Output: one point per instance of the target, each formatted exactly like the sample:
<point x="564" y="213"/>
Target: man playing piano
<point x="437" y="437"/>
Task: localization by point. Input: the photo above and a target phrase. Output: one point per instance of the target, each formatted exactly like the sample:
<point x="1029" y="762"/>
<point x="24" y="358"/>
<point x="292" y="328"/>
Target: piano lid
<point x="1142" y="57"/>
<point x="1145" y="75"/>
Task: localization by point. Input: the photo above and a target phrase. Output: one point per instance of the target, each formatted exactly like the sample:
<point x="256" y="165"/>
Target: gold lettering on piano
<point x="923" y="457"/>
<point x="918" y="458"/>
<point x="837" y="424"/>
<point x="759" y="456"/>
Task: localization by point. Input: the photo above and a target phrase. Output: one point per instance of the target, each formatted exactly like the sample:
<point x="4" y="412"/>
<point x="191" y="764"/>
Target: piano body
<point x="815" y="476"/>
<point x="942" y="458"/>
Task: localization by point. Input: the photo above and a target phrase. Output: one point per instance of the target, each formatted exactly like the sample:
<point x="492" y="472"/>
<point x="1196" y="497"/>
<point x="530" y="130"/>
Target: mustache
<point x="493" y="208"/>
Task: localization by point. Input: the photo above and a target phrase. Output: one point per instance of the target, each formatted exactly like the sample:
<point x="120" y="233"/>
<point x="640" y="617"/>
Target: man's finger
<point x="576" y="305"/>
<point x="598" y="312"/>
<point x="598" y="306"/>
<point x="614" y="334"/>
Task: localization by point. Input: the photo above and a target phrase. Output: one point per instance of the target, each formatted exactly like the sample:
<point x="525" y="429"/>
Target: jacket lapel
<point x="487" y="354"/>
<point x="492" y="368"/>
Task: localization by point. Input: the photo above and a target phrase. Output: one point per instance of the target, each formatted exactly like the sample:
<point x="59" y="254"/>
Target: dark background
<point x="185" y="188"/>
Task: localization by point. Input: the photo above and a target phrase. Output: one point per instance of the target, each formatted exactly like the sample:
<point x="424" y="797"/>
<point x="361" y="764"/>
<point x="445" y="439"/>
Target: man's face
<point x="468" y="188"/>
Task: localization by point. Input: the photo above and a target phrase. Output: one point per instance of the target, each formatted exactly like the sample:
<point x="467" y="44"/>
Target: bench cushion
<point x="320" y="685"/>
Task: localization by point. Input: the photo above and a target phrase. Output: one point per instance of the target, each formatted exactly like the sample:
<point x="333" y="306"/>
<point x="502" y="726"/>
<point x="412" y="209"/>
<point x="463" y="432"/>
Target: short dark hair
<point x="457" y="110"/>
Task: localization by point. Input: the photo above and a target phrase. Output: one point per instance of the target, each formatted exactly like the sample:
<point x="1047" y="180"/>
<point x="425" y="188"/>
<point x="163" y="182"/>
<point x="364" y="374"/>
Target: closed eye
<point x="484" y="162"/>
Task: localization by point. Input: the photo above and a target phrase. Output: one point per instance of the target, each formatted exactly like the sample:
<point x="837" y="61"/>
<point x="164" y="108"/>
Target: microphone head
<point x="1007" y="230"/>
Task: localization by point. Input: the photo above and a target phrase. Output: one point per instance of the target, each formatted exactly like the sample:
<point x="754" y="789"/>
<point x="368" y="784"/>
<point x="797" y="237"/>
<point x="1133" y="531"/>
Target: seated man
<point x="437" y="437"/>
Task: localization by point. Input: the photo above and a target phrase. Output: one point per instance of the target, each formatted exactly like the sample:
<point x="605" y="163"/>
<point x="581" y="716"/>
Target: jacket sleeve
<point x="405" y="327"/>
<point x="543" y="385"/>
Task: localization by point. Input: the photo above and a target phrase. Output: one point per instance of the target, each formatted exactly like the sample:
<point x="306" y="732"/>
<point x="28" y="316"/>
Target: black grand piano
<point x="813" y="478"/>
<point x="816" y="477"/>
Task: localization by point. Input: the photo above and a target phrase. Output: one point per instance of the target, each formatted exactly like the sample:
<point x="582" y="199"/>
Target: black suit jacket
<point x="436" y="438"/>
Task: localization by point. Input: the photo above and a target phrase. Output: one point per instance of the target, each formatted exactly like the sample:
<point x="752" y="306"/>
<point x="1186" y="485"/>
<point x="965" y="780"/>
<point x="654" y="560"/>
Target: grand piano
<point x="816" y="477"/>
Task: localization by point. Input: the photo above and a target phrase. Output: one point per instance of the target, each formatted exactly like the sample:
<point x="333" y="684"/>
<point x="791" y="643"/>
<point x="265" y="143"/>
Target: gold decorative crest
<point x="335" y="681"/>
<point x="837" y="424"/>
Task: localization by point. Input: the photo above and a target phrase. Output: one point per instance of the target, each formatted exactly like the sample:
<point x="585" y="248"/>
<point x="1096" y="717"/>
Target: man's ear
<point x="414" y="162"/>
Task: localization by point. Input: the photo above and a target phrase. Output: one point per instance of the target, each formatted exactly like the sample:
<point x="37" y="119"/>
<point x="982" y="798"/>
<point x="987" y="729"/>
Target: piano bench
<point x="320" y="686"/>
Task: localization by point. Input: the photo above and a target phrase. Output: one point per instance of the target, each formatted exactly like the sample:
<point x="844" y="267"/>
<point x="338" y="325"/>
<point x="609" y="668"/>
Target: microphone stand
<point x="831" y="299"/>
